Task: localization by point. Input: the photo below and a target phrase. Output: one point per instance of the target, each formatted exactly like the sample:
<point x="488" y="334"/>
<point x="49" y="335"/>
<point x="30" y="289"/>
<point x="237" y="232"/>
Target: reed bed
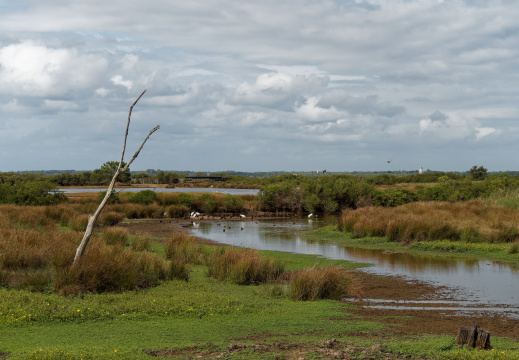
<point x="329" y="282"/>
<point x="36" y="254"/>
<point x="471" y="221"/>
<point x="243" y="267"/>
<point x="181" y="248"/>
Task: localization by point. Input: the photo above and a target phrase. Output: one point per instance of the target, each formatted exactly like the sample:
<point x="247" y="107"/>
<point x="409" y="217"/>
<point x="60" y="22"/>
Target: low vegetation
<point x="469" y="222"/>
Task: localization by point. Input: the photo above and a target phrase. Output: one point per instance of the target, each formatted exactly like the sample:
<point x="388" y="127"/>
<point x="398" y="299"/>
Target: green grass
<point x="205" y="313"/>
<point x="173" y="315"/>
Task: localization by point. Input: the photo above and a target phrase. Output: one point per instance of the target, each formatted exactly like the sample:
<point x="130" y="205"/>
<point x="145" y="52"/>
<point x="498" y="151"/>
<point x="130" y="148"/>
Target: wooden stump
<point x="473" y="336"/>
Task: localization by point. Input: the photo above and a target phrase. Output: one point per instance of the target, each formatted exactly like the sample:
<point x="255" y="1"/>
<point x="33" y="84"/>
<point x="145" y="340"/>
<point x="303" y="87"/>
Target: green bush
<point x="177" y="211"/>
<point x="232" y="203"/>
<point x="30" y="193"/>
<point x="114" y="199"/>
<point x="145" y="197"/>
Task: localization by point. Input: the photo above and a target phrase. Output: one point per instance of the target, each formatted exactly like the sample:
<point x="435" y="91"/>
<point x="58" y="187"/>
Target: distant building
<point x="206" y="178"/>
<point x="420" y="171"/>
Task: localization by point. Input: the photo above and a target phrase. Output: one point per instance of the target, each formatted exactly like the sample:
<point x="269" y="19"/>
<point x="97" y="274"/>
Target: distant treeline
<point x="260" y="174"/>
<point x="284" y="192"/>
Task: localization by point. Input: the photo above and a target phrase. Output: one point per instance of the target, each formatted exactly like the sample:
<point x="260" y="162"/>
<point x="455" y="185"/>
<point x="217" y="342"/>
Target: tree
<point x="120" y="169"/>
<point x="478" y="173"/>
<point x="109" y="168"/>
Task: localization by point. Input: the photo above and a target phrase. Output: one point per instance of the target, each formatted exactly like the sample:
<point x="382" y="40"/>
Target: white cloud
<point x="312" y="112"/>
<point x="484" y="131"/>
<point x="30" y="69"/>
<point x="453" y="126"/>
<point x="60" y="105"/>
<point x="129" y="61"/>
<point x="119" y="80"/>
<point x="273" y="89"/>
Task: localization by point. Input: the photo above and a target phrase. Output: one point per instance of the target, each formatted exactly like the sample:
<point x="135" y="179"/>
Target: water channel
<point x="473" y="282"/>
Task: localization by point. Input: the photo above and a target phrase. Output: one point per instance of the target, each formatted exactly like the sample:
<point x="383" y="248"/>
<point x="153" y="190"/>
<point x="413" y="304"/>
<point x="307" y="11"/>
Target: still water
<point x="176" y="190"/>
<point x="479" y="282"/>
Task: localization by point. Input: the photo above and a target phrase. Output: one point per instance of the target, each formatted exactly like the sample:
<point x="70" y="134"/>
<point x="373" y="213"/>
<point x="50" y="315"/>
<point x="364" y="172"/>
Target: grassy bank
<point x="482" y="251"/>
<point x="205" y="316"/>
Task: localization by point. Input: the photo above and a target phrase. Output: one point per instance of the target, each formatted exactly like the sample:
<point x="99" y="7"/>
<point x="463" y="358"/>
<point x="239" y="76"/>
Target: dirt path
<point x="406" y="322"/>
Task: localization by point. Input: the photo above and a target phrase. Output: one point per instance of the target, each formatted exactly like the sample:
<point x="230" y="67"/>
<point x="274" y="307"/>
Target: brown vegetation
<point x="470" y="221"/>
<point x="329" y="282"/>
<point x="36" y="254"/>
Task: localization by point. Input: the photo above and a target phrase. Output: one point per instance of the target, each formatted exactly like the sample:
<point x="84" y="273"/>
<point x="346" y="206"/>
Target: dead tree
<point x="93" y="218"/>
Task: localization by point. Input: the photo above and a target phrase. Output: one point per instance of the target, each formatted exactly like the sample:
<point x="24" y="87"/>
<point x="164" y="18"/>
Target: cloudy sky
<point x="302" y="85"/>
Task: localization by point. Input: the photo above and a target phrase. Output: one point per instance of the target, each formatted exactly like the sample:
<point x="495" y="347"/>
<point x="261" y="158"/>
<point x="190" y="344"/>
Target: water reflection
<point x="482" y="281"/>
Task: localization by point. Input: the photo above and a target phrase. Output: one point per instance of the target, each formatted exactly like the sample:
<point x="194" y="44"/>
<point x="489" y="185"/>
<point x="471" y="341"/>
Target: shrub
<point x="185" y="199"/>
<point x="110" y="218"/>
<point x="513" y="248"/>
<point x="177" y="211"/>
<point x="145" y="197"/>
<point x="140" y="243"/>
<point x="139" y="211"/>
<point x="232" y="203"/>
<point x="114" y="199"/>
<point x="179" y="270"/>
<point x="115" y="235"/>
<point x="206" y="203"/>
<point x="181" y="249"/>
<point x="79" y="222"/>
<point x="110" y="269"/>
<point x="323" y="283"/>
<point x="243" y="267"/>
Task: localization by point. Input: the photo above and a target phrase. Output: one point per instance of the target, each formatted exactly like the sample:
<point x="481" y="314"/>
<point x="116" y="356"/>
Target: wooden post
<point x="473" y="336"/>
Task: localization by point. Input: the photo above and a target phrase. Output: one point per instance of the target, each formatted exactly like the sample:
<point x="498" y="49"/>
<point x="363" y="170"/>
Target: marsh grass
<point x="181" y="249"/>
<point x="110" y="218"/>
<point x="328" y="282"/>
<point x="36" y="254"/>
<point x="115" y="236"/>
<point x="177" y="211"/>
<point x="110" y="269"/>
<point x="140" y="243"/>
<point x="243" y="267"/>
<point x="471" y="221"/>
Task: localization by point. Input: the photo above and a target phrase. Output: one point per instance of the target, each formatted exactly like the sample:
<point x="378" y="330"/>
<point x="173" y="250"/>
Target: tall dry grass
<point x="181" y="248"/>
<point x="37" y="255"/>
<point x="243" y="267"/>
<point x="470" y="221"/>
<point x="329" y="282"/>
<point x="110" y="269"/>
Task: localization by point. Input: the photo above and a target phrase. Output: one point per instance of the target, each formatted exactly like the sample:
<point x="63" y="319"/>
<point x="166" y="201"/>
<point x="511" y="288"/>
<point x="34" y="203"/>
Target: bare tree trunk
<point x="93" y="218"/>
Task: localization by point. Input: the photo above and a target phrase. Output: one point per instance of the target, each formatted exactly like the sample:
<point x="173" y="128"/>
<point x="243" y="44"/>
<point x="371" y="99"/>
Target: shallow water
<point x="481" y="282"/>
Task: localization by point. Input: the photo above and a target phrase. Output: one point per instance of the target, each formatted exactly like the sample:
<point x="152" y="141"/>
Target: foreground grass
<point x="205" y="316"/>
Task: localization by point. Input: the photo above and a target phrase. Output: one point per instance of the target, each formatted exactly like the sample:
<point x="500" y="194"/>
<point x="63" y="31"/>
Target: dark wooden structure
<point x="205" y="178"/>
<point x="473" y="336"/>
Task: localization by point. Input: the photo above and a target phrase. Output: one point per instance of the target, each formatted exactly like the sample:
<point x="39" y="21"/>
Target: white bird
<point x="310" y="215"/>
<point x="242" y="216"/>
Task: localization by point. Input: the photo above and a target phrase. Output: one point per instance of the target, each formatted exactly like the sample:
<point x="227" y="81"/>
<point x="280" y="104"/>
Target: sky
<point x="306" y="85"/>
